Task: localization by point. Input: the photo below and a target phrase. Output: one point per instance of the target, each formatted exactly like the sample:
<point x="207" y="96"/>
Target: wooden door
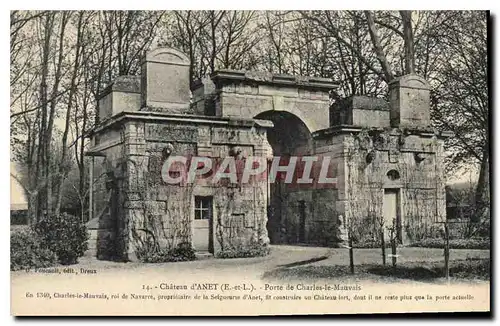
<point x="202" y="223"/>
<point x="391" y="212"/>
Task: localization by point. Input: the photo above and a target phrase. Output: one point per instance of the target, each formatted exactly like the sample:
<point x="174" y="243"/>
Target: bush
<point x="461" y="269"/>
<point x="26" y="252"/>
<point x="484" y="229"/>
<point x="324" y="233"/>
<point x="365" y="229"/>
<point x="65" y="234"/>
<point x="419" y="231"/>
<point x="369" y="244"/>
<point x="465" y="229"/>
<point x="19" y="217"/>
<point x="473" y="243"/>
<point x="183" y="252"/>
<point x="471" y="268"/>
<point x="245" y="252"/>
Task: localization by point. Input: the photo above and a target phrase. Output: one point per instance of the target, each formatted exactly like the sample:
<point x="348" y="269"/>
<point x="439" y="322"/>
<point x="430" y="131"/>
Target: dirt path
<point x="280" y="256"/>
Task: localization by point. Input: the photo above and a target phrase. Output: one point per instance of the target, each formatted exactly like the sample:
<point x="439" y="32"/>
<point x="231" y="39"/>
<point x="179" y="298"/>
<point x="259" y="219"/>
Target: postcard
<point x="242" y="163"/>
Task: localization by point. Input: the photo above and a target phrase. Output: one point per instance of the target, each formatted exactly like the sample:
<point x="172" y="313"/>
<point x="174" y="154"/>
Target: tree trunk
<point x="482" y="188"/>
<point x="61" y="168"/>
<point x="408" y="40"/>
<point x="379" y="51"/>
<point x="40" y="156"/>
<point x="351" y="255"/>
<point x="382" y="244"/>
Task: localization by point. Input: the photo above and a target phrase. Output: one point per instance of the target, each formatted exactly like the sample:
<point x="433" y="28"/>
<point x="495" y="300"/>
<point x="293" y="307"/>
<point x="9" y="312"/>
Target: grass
<point x="462" y="269"/>
<point x="474" y="243"/>
<point x="466" y="269"/>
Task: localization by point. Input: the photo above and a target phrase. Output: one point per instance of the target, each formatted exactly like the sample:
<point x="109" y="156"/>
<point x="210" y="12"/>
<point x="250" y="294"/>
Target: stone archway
<point x="290" y="136"/>
<point x="247" y="94"/>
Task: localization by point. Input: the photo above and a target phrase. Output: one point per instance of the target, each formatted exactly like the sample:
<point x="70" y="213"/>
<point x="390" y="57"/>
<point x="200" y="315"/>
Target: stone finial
<point x="409" y="98"/>
<point x="165" y="80"/>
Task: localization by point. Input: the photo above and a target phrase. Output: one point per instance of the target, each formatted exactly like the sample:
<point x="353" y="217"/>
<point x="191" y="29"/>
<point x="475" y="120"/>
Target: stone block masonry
<point x="148" y="209"/>
<point x="386" y="160"/>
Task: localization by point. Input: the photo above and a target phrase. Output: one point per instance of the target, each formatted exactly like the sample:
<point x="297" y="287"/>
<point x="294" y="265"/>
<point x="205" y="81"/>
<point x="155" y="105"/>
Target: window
<point x="202" y="208"/>
<point x="393" y="175"/>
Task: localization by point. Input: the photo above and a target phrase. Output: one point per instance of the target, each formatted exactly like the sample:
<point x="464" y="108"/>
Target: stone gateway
<point x="385" y="160"/>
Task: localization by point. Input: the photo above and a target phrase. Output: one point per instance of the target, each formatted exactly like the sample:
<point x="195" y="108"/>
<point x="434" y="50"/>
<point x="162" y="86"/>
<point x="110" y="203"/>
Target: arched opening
<point x="393" y="175"/>
<point x="287" y="212"/>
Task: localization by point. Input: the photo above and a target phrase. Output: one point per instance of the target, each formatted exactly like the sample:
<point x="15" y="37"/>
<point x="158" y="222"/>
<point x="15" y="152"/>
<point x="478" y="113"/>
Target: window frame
<point x="203" y="207"/>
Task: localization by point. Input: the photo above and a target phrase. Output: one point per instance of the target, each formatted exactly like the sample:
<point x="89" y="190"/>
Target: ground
<point x="281" y="258"/>
<point x="261" y="283"/>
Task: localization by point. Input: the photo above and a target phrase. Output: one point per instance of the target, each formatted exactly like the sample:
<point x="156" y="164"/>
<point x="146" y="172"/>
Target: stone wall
<point x="373" y="165"/>
<point x="297" y="106"/>
<point x="384" y="146"/>
<point x="360" y="111"/>
<point x="375" y="158"/>
<point x="248" y="94"/>
<point x="203" y="97"/>
<point x="124" y="94"/>
<point x="145" y="210"/>
<point x="373" y="146"/>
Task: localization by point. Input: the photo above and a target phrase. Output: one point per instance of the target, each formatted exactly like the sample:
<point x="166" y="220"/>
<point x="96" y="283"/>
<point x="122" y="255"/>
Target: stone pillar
<point x="133" y="189"/>
<point x="409" y="98"/>
<point x="165" y="81"/>
<point x="263" y="150"/>
<point x="440" y="180"/>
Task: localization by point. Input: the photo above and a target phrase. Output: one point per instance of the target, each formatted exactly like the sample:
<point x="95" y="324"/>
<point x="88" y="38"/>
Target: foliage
<point x="419" y="231"/>
<point x="463" y="269"/>
<point x="321" y="233"/>
<point x="466" y="229"/>
<point x="472" y="243"/>
<point x="461" y="92"/>
<point x="73" y="202"/>
<point x="212" y="40"/>
<point x="483" y="229"/>
<point x="364" y="230"/>
<point x="467" y="219"/>
<point x="370" y="243"/>
<point x="18" y="217"/>
<point x="252" y="250"/>
<point x="65" y="234"/>
<point x="471" y="268"/>
<point x="26" y="251"/>
<point x="183" y="252"/>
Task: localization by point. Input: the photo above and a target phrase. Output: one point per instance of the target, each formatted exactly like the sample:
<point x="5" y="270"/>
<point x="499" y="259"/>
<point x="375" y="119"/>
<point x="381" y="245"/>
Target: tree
<point x="460" y="97"/>
<point x="184" y="33"/>
<point x="60" y="63"/>
<point x="62" y="60"/>
<point x="349" y="50"/>
<point x="213" y="39"/>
